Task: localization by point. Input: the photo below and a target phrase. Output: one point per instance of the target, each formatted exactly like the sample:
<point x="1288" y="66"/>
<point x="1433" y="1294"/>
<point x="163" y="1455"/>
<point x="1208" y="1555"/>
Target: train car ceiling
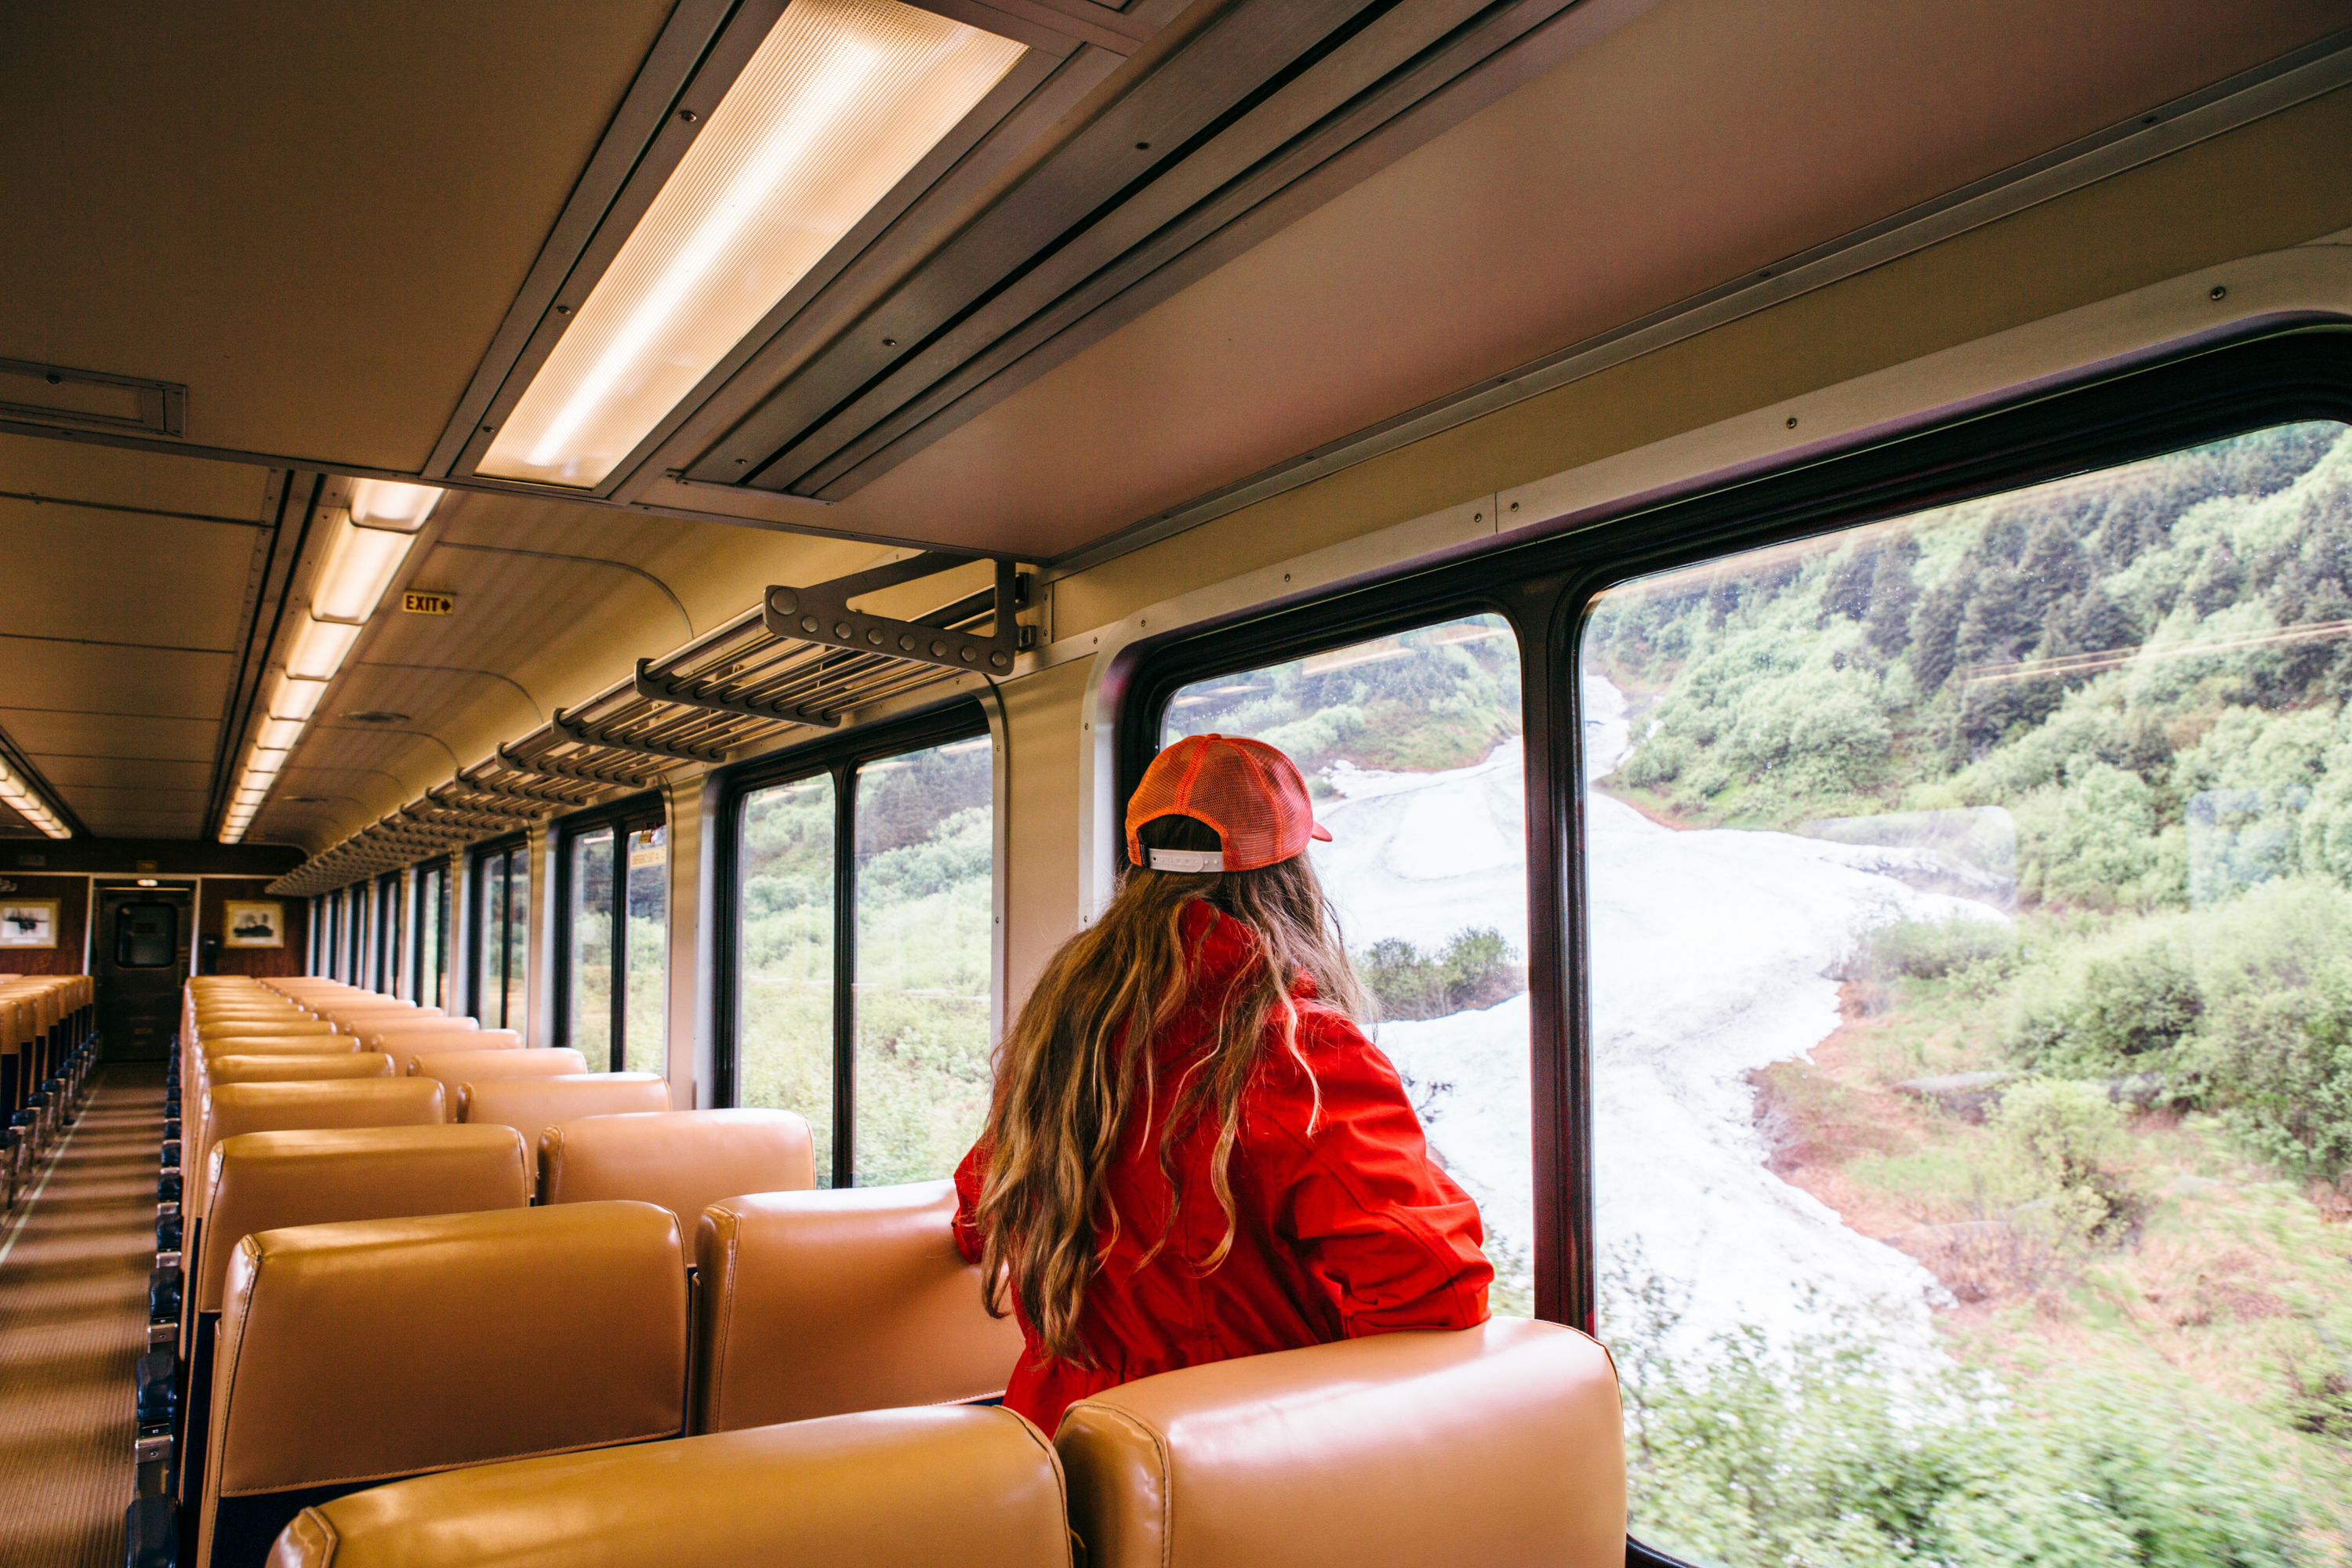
<point x="1249" y="279"/>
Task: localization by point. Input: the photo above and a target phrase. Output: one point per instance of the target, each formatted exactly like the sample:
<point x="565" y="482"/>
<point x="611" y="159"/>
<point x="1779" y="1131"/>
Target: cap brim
<point x="1319" y="831"/>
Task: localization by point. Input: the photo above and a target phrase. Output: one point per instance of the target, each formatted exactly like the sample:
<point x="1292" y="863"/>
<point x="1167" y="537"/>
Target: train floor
<point x="73" y="1320"/>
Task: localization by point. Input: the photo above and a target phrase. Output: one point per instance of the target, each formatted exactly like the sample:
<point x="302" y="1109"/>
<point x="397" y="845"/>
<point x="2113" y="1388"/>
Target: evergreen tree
<point x="2216" y="584"/>
<point x="1892" y="592"/>
<point x="1933" y="635"/>
<point x="1998" y="622"/>
<point x="2053" y="566"/>
<point x="2099" y="624"/>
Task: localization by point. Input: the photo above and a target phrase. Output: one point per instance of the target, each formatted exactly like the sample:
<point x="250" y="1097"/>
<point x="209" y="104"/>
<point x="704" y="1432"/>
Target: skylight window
<point x="840" y="101"/>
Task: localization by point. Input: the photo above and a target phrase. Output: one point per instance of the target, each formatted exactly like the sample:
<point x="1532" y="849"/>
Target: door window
<point x="146" y="935"/>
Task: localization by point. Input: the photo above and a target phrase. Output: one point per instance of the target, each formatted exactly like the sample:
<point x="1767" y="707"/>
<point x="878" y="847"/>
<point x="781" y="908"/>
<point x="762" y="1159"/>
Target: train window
<point x="925" y="872"/>
<point x="862" y="972"/>
<point x="355" y="910"/>
<point x="588" y="950"/>
<point x="615" y="905"/>
<point x="785" y="974"/>
<point x="387" y="933"/>
<point x="1411" y="745"/>
<point x="1965" y="916"/>
<point x="429" y="965"/>
<point x="501" y="934"/>
<point x="146" y="936"/>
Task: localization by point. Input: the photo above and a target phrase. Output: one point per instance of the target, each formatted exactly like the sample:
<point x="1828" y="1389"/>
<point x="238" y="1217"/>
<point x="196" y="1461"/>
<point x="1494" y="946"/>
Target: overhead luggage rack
<point x="802" y="658"/>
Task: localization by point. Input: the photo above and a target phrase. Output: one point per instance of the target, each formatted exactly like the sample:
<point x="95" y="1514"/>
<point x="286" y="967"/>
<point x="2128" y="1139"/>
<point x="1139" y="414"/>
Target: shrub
<point x="1475" y="969"/>
<point x="2275" y="1049"/>
<point x="1929" y="950"/>
<point x="1813" y="1454"/>
<point x="2063" y="1147"/>
<point x="2121" y="1007"/>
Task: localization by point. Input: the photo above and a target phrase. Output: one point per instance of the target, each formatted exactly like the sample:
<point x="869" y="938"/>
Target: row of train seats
<point x="527" y="1319"/>
<point x="48" y="1043"/>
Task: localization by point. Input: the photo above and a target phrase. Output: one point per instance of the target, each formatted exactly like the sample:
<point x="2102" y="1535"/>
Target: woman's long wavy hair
<point x="1078" y="1064"/>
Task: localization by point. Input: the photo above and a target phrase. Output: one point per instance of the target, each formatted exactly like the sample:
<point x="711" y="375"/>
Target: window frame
<point x="1545" y="587"/>
<point x="513" y="848"/>
<point x="838" y="757"/>
<point x="622" y="817"/>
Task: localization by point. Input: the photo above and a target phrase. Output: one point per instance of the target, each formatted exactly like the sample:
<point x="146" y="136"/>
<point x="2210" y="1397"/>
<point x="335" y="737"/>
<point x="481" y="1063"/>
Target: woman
<point x="1193" y="1151"/>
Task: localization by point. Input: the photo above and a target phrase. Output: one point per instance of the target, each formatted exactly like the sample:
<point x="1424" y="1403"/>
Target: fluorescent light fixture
<point x="832" y="111"/>
<point x="278" y="734"/>
<point x="319" y="648"/>
<point x="293" y="699"/>
<point x="265" y="765"/>
<point x="381" y="503"/>
<point x="361" y="564"/>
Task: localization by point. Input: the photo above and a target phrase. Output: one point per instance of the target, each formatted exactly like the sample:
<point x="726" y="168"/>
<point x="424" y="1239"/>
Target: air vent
<point x="376" y="716"/>
<point x="53" y="394"/>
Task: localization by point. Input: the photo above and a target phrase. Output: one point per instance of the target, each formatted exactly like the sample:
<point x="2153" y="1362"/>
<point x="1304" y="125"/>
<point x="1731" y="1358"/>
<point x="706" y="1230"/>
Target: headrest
<point x="1499" y="1444"/>
<point x="532" y="1105"/>
<point x="453" y="1068"/>
<point x="362" y="1351"/>
<point x="814" y="1304"/>
<point x="279" y="1045"/>
<point x="245" y="1028"/>
<point x="374" y="1029"/>
<point x="683" y="1160"/>
<point x="267" y="1181"/>
<point x="977" y="1487"/>
<point x="406" y="1040"/>
<point x="270" y="1068"/>
<point x="238" y="1108"/>
<point x="374" y="1007"/>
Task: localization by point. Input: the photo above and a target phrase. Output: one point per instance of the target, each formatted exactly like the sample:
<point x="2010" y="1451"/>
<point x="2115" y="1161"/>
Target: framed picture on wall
<point x="28" y="923"/>
<point x="250" y="924"/>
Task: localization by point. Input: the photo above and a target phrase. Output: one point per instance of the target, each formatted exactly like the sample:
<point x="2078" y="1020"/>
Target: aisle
<point x="73" y="1318"/>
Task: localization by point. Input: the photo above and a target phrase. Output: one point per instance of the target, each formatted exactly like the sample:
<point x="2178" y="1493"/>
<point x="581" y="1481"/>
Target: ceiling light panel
<point x="840" y="101"/>
<point x="361" y="564"/>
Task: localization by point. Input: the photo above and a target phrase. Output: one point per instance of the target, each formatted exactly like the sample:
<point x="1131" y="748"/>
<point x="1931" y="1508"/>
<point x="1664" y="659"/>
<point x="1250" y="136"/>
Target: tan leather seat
<point x="456" y="1068"/>
<point x="377" y="1029"/>
<point x="534" y="1105"/>
<point x="354" y="1354"/>
<point x="268" y="1181"/>
<point x="296" y="1067"/>
<point x="234" y="1107"/>
<point x="284" y="1024"/>
<point x="305" y="1044"/>
<point x="683" y="1160"/>
<point x="1501" y="1444"/>
<point x="976" y="1488"/>
<point x="406" y="1040"/>
<point x="815" y="1303"/>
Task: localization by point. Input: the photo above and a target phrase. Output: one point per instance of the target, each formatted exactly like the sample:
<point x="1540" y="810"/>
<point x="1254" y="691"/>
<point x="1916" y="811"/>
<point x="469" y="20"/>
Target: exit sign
<point x="417" y="604"/>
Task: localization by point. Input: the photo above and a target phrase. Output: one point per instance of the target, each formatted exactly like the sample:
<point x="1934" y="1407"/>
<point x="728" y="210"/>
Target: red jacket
<point x="1348" y="1231"/>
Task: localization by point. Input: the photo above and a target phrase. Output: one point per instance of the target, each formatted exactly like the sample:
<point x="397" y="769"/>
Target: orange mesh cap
<point x="1250" y="793"/>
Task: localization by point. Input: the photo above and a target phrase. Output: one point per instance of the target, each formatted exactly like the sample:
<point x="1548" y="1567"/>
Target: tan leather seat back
<point x="277" y="1028"/>
<point x="236" y="1108"/>
<point x="361" y="1352"/>
<point x="815" y="1303"/>
<point x="534" y="1105"/>
<point x="977" y="1487"/>
<point x="282" y="1045"/>
<point x="1499" y="1444"/>
<point x="456" y="1068"/>
<point x="268" y="1181"/>
<point x="683" y="1160"/>
<point x="408" y="1040"/>
<point x="375" y="1030"/>
<point x="296" y="1067"/>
